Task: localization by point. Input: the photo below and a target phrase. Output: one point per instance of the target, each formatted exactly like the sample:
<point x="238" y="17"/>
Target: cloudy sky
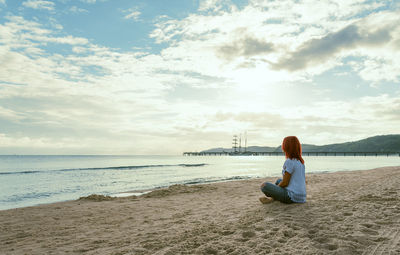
<point x="163" y="77"/>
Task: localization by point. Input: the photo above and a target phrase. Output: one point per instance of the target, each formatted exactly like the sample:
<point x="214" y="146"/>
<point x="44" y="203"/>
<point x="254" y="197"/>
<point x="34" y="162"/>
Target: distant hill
<point x="382" y="143"/>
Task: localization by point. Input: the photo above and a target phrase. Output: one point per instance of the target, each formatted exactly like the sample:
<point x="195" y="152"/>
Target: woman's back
<point x="297" y="185"/>
<point x="292" y="187"/>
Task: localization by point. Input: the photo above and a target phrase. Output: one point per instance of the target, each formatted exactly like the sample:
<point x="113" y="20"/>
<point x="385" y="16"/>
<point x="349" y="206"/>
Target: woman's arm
<point x="286" y="180"/>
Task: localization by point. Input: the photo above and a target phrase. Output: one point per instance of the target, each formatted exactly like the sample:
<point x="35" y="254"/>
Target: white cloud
<point x="213" y="79"/>
<point x="3" y="2"/>
<point x="128" y="92"/>
<point x="62" y="40"/>
<point x="340" y="120"/>
<point x="39" y="4"/>
<point x="55" y="24"/>
<point x="10" y="114"/>
<point x="75" y="9"/>
<point x="211" y="5"/>
<point x="88" y="1"/>
<point x="294" y="41"/>
<point x="20" y="33"/>
<point x="133" y="14"/>
<point x="318" y="51"/>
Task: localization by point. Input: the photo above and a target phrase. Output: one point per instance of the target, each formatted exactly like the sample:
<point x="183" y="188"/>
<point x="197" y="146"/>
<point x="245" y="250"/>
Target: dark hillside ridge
<point x="381" y="143"/>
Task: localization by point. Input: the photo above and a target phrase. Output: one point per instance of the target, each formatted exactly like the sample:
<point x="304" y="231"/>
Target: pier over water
<point x="248" y="153"/>
<point x="386" y="145"/>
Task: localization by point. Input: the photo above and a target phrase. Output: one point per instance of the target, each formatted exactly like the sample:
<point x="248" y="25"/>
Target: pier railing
<point x="281" y="154"/>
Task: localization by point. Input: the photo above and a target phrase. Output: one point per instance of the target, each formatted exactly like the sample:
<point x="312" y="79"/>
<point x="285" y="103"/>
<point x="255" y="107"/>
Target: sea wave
<point x="22" y="172"/>
<point x="216" y="179"/>
<point x="104" y="168"/>
<point x="195" y="181"/>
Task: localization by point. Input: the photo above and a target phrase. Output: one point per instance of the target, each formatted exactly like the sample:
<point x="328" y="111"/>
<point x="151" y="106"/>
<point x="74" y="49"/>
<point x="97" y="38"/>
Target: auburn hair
<point x="292" y="148"/>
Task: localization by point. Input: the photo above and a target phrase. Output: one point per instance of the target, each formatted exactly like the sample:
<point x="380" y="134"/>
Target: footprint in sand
<point x="367" y="225"/>
<point x="227" y="232"/>
<point x="322" y="239"/>
<point x="312" y="232"/>
<point x="248" y="234"/>
<point x="371" y="226"/>
<point x="332" y="246"/>
<point x="387" y="243"/>
<point x="289" y="234"/>
<point x="282" y="240"/>
<point x="338" y="218"/>
<point x="210" y="250"/>
<point x="369" y="231"/>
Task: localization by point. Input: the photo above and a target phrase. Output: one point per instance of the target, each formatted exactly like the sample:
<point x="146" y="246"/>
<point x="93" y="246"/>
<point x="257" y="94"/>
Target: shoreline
<point x="141" y="192"/>
<point x="348" y="212"/>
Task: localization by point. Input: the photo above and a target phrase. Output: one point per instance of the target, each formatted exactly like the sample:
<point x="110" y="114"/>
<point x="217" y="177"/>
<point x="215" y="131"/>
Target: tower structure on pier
<point x="245" y="141"/>
<point x="240" y="143"/>
<point x="235" y="144"/>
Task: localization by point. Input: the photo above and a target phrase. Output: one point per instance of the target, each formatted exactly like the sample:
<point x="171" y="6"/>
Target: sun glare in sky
<point x="163" y="77"/>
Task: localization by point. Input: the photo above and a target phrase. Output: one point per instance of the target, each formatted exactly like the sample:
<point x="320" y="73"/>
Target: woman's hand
<point x="285" y="181"/>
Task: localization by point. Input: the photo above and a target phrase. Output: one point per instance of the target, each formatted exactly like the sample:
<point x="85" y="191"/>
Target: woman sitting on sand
<point x="292" y="187"/>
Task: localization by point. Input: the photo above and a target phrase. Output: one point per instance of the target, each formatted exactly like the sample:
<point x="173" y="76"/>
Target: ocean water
<point x="33" y="180"/>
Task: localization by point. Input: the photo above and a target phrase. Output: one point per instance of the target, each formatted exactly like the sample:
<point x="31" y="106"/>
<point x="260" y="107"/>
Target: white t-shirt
<point x="297" y="185"/>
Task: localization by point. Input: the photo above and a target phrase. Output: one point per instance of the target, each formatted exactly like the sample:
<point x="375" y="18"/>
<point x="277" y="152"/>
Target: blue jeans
<point x="276" y="192"/>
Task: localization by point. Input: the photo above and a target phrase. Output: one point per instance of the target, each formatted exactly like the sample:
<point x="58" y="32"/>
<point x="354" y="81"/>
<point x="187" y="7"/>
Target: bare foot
<point x="266" y="200"/>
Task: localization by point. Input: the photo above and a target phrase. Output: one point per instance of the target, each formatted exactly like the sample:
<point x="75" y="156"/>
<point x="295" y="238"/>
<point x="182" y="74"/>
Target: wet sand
<point x="355" y="212"/>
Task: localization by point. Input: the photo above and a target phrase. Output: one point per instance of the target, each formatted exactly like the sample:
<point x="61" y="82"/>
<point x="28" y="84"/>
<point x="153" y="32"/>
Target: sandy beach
<point x="346" y="213"/>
